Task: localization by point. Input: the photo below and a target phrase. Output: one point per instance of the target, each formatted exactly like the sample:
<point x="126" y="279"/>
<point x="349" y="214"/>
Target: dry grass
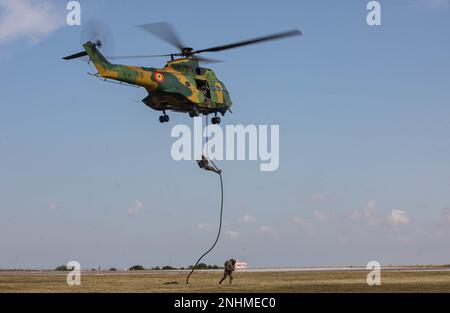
<point x="153" y="281"/>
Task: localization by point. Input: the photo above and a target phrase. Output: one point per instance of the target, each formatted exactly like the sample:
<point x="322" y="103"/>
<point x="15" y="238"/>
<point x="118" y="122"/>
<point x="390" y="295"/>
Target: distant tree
<point x="156" y="268"/>
<point x="137" y="268"/>
<point x="202" y="266"/>
<point x="62" y="268"/>
<point x="167" y="267"/>
<point x="113" y="269"/>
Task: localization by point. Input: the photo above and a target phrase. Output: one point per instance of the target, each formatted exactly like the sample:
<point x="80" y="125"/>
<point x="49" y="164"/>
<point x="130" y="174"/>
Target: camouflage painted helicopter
<point x="182" y="85"/>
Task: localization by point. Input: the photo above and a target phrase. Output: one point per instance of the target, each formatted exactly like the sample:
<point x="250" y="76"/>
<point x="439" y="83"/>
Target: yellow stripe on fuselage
<point x="105" y="73"/>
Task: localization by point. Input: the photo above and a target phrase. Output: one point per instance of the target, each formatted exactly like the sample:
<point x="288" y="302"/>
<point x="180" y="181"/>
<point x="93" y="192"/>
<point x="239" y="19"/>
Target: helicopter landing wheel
<point x="194" y="113"/>
<point x="164" y="118"/>
<point x="215" y="120"/>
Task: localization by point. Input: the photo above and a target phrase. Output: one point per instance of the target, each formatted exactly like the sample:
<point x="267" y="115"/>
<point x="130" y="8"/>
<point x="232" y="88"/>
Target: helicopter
<point x="182" y="85"/>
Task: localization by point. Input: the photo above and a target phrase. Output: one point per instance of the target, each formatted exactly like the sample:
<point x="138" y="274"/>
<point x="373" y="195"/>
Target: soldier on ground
<point x="230" y="266"/>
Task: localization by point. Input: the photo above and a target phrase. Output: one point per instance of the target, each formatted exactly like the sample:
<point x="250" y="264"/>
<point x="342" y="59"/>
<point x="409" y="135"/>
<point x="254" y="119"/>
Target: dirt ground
<point x="207" y="281"/>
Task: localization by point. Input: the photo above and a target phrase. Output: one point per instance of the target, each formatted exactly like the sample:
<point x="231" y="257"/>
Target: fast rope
<point x="220" y="216"/>
<point x="207" y="137"/>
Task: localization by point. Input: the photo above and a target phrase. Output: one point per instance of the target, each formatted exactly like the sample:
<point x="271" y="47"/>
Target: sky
<point x="85" y="167"/>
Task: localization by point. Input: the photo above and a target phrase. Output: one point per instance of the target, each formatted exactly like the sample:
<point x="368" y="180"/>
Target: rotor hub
<point x="98" y="43"/>
<point x="186" y="51"/>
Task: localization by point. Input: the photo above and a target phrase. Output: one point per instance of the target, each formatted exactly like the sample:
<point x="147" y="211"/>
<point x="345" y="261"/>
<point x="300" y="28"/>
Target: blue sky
<point x="85" y="167"/>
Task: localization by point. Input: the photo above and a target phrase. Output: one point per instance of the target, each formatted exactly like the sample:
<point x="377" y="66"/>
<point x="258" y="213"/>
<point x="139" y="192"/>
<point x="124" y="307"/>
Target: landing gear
<point x="215" y="120"/>
<point x="164" y="118"/>
<point x="194" y="113"/>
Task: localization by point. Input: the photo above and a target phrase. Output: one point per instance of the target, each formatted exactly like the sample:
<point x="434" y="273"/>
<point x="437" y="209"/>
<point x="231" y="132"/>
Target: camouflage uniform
<point x="204" y="164"/>
<point x="229" y="269"/>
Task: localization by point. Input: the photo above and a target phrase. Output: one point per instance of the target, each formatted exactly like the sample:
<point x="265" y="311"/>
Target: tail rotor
<point x="97" y="32"/>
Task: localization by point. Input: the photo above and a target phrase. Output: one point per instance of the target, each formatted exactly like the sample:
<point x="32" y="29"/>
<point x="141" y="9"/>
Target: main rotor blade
<point x="276" y="36"/>
<point x="198" y="58"/>
<point x="164" y="31"/>
<point x="138" y="56"/>
<point x="207" y="60"/>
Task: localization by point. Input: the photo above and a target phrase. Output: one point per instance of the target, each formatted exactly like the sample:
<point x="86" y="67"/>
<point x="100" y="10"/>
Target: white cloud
<point x="248" y="219"/>
<point x="52" y="205"/>
<point x="439" y="4"/>
<point x="301" y="221"/>
<point x="366" y="214"/>
<point x="342" y="240"/>
<point x="306" y="225"/>
<point x="319" y="197"/>
<point x="266" y="230"/>
<point x="354" y="215"/>
<point x="371" y="204"/>
<point x="204" y="226"/>
<point x="33" y="20"/>
<point x="136" y="209"/>
<point x="319" y="217"/>
<point x="369" y="213"/>
<point x="398" y="217"/>
<point x="445" y="215"/>
<point x="311" y="224"/>
<point x="232" y="234"/>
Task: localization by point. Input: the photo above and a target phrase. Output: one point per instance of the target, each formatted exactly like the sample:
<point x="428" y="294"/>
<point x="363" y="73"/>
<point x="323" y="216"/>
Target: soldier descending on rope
<point x="230" y="266"/>
<point x="204" y="164"/>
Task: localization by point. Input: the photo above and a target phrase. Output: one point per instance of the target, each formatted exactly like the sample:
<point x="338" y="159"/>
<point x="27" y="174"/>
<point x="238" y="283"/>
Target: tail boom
<point x="128" y="74"/>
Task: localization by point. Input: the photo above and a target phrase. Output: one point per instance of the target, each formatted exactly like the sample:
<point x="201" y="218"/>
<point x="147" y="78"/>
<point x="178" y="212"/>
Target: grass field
<point x="292" y="281"/>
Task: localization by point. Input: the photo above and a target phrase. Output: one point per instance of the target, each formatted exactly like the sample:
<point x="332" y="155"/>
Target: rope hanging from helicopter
<point x="219" y="172"/>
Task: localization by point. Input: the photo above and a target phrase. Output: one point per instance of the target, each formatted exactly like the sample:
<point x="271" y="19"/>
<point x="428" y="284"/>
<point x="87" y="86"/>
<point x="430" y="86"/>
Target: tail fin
<point x="101" y="63"/>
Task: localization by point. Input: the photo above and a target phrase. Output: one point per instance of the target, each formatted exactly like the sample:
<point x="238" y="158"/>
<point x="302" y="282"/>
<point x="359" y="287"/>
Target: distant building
<point x="241" y="265"/>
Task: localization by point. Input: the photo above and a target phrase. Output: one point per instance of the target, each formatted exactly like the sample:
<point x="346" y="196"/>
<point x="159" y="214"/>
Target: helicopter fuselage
<point x="181" y="86"/>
